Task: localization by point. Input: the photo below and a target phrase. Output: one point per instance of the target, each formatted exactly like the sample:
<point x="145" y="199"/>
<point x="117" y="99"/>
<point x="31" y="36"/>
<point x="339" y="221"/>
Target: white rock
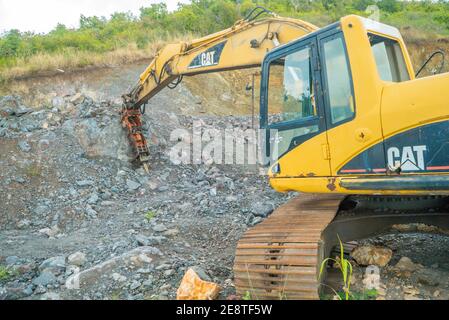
<point x="118" y="277"/>
<point x="148" y="283"/>
<point x="77" y="98"/>
<point x="159" y="228"/>
<point x="50" y="232"/>
<point x="144" y="258"/>
<point x="135" y="285"/>
<point x="132" y="185"/>
<point x="171" y="232"/>
<point x="77" y="259"/>
<point x="22" y="224"/>
<point x="51" y="296"/>
<point x="406" y="264"/>
<point x="93" y="199"/>
<point x="91" y="213"/>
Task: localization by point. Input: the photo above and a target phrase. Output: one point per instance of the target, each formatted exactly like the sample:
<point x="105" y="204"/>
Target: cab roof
<point x="374" y="26"/>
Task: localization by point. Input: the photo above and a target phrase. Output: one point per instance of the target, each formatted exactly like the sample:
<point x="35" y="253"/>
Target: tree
<point x="301" y="5"/>
<point x="59" y="30"/>
<point x="362" y="5"/>
<point x="389" y="5"/>
<point x="122" y="17"/>
<point x="92" y="22"/>
<point x="329" y="4"/>
<point x="11" y="43"/>
<point x="155" y="12"/>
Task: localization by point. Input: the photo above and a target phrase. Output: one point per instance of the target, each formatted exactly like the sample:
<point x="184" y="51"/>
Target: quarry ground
<point x="71" y="202"/>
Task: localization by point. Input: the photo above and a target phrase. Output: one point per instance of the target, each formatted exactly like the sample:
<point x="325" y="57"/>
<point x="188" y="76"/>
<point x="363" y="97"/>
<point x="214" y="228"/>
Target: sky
<point x="42" y="16"/>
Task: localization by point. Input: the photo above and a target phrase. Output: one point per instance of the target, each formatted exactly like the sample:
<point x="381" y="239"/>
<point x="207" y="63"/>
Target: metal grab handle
<point x="430" y="59"/>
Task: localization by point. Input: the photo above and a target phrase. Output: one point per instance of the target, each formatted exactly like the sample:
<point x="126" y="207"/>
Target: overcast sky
<point x="44" y="15"/>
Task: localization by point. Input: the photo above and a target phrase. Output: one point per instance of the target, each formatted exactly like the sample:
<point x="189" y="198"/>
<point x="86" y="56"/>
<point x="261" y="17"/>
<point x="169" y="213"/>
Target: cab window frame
<point x="294" y="123"/>
<point x="322" y="39"/>
<point x="316" y="120"/>
<point x="403" y="49"/>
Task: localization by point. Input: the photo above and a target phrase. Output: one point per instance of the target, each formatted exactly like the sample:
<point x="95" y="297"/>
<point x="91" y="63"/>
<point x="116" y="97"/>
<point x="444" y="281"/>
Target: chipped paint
<point x="331" y="185"/>
<point x="311" y="174"/>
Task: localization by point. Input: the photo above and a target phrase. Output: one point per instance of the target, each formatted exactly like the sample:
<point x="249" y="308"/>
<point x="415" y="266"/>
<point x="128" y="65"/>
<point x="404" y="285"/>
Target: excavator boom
<point x="244" y="45"/>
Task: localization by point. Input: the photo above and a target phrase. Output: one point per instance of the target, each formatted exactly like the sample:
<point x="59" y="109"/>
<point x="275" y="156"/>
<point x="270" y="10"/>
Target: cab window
<point x="389" y="59"/>
<point x="292" y="109"/>
<point x="291" y="88"/>
<point x="339" y="82"/>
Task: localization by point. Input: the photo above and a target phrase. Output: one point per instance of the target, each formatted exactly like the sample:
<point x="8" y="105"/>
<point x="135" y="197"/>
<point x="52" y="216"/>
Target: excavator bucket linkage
<point x="132" y="121"/>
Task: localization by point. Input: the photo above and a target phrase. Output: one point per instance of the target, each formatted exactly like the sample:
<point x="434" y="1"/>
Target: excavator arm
<point x="244" y="45"/>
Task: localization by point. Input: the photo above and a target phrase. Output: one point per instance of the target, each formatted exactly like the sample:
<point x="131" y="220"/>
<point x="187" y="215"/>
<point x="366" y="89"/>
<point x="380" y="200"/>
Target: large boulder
<point x="137" y="258"/>
<point x="8" y="104"/>
<point x="97" y="140"/>
<point x="55" y="265"/>
<point x="44" y="279"/>
<point x="13" y="106"/>
<point x="372" y="255"/>
<point x="262" y="209"/>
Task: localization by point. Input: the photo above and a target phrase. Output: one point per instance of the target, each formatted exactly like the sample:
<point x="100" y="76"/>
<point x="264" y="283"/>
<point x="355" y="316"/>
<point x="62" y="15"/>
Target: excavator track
<point x="281" y="257"/>
<point x="278" y="258"/>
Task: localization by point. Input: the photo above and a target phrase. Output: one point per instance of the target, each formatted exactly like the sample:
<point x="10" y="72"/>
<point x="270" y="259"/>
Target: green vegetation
<point x="354" y="295"/>
<point x="33" y="170"/>
<point x="115" y="295"/>
<point x="365" y="295"/>
<point x="124" y="37"/>
<point x="5" y="273"/>
<point x="247" y="296"/>
<point x="150" y="215"/>
<point x="346" y="272"/>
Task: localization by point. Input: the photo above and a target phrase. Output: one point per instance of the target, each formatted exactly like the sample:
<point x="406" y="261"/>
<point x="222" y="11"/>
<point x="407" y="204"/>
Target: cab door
<point x="354" y="128"/>
<point x="292" y="111"/>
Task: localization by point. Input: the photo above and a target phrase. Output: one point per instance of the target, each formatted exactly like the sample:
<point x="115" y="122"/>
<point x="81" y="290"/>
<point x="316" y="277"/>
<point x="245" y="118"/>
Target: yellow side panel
<point x="415" y="103"/>
<point x="308" y="160"/>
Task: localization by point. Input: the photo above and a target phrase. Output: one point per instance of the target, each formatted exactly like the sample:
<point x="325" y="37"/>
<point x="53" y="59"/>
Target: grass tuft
<point x="150" y="215"/>
<point x="5" y="273"/>
<point x="33" y="171"/>
<point x="346" y="272"/>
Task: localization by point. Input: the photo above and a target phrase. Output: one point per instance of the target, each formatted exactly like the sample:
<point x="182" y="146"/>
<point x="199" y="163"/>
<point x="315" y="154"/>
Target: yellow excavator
<point x="348" y="125"/>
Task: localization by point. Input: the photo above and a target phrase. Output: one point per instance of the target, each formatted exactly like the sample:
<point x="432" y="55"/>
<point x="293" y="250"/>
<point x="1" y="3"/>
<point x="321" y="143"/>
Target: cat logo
<point x="408" y="159"/>
<point x="208" y="58"/>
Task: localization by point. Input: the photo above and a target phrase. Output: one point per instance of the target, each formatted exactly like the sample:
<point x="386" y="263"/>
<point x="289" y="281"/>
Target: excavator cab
<point x="365" y="142"/>
<point x="345" y="114"/>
